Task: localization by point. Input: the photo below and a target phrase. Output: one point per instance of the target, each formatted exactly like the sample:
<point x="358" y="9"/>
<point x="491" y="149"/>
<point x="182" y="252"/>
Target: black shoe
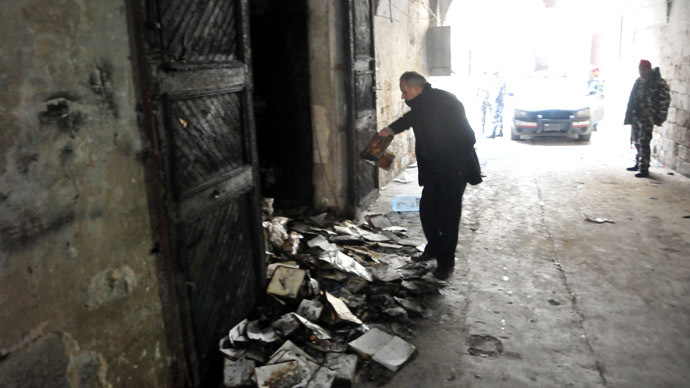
<point x="642" y="174"/>
<point x="633" y="168"/>
<point x="423" y="257"/>
<point x="443" y="273"/>
<point x="491" y="137"/>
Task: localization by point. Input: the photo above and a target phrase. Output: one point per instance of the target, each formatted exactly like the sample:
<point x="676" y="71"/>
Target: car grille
<point x="554" y="114"/>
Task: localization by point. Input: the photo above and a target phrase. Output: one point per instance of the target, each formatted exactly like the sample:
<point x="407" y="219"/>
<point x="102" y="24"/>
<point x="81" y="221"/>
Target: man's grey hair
<point x="412" y="78"/>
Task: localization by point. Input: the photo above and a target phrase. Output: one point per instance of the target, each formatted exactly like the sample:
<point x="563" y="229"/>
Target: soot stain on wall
<point x="58" y="112"/>
<point x="101" y="83"/>
<point x="29" y="226"/>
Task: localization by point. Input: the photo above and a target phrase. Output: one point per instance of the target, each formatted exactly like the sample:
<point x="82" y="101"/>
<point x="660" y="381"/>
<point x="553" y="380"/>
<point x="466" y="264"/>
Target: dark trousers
<point x="440" y="209"/>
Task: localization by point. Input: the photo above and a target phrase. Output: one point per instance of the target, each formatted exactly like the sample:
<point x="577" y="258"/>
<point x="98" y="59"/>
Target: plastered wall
<point x="79" y="297"/>
<point x="400" y="28"/>
<point x="328" y="109"/>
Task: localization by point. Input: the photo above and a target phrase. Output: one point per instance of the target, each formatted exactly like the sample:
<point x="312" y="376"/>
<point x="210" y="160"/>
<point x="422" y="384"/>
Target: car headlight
<point x="582" y="114"/>
<point x="521" y="114"/>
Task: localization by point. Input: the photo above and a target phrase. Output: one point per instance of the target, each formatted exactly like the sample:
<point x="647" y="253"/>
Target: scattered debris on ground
<point x="485" y="346"/>
<point x="340" y="302"/>
<point x="403" y="178"/>
<point x="598" y="220"/>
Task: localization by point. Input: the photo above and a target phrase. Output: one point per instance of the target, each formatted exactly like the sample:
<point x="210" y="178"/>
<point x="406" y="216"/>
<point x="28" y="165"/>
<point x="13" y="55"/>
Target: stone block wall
<point x="672" y="140"/>
<point x="79" y="295"/>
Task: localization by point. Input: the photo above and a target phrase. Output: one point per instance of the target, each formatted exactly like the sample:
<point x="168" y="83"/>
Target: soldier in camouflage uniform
<point x="500" y="88"/>
<point x="647" y="106"/>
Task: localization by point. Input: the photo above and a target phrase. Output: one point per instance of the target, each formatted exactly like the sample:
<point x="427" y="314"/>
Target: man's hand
<point x="385" y="132"/>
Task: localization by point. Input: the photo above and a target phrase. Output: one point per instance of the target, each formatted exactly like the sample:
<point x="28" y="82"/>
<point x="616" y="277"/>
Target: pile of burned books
<point x="341" y="300"/>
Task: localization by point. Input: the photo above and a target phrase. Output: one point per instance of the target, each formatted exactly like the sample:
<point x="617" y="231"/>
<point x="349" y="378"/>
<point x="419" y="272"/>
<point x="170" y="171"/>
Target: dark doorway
<point x="280" y="48"/>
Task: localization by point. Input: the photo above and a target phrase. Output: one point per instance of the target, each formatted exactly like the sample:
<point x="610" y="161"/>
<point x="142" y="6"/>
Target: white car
<point x="554" y="106"/>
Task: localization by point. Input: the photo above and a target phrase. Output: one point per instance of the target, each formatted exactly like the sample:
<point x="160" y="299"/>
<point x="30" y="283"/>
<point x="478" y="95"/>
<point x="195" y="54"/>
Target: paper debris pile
<point x="341" y="300"/>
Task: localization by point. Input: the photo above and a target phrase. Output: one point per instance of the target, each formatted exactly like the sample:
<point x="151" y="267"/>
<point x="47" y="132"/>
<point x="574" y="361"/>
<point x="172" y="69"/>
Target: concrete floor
<point x="573" y="303"/>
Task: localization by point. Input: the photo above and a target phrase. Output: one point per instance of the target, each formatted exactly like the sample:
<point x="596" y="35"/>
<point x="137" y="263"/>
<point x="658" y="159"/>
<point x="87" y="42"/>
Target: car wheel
<point x="585" y="137"/>
<point x="514" y="136"/>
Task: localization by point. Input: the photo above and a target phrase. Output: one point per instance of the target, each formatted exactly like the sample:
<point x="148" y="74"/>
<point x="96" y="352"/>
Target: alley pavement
<point x="570" y="272"/>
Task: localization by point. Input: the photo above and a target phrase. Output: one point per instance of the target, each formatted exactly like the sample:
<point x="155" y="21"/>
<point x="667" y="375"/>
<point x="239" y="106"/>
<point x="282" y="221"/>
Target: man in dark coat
<point x="446" y="159"/>
<point x="647" y="106"/>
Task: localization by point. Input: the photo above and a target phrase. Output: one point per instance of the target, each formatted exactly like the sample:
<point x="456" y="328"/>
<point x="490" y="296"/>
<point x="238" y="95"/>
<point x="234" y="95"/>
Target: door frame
<point x="358" y="201"/>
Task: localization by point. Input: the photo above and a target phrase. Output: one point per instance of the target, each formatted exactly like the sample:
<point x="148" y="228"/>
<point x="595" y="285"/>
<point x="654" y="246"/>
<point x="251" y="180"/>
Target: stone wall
<point x="79" y="297"/>
<point x="400" y="29"/>
<point x="671" y="144"/>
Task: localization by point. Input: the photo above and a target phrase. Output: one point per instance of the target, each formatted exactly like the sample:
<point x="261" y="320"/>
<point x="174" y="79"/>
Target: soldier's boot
<point x="636" y="167"/>
<point x="642" y="174"/>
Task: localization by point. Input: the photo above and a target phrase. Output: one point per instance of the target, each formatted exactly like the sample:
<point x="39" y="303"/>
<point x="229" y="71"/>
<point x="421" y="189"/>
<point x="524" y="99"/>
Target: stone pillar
<point x="328" y="96"/>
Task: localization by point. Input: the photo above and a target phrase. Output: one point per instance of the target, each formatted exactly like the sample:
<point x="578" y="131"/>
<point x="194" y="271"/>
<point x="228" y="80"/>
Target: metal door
<point x="363" y="178"/>
<point x="199" y="63"/>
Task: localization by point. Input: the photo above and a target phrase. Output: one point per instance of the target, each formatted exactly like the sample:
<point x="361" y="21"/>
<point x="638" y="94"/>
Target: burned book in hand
<point x="375" y="152"/>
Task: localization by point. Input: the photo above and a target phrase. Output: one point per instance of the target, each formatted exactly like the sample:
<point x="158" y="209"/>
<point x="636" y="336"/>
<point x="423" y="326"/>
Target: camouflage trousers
<point x="486" y="113"/>
<point x="498" y="121"/>
<point x="641" y="136"/>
